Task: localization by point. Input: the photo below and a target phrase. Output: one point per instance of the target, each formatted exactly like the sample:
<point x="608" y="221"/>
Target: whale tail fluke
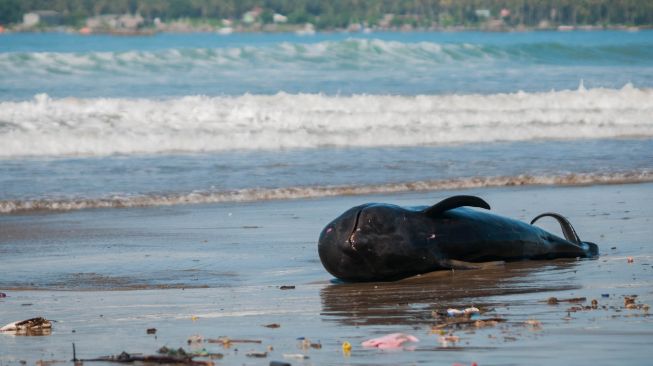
<point x="567" y="229"/>
<point x="570" y="234"/>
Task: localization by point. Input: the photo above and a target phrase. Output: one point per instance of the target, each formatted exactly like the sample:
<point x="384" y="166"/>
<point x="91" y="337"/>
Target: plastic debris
<point x="346" y="347"/>
<point x="605" y="295"/>
<point x="462" y="322"/>
<point x="306" y="344"/>
<point x="194" y="318"/>
<point x="629" y="300"/>
<point x="257" y="354"/>
<point x="151" y="331"/>
<point x="49" y="362"/>
<point x="295" y="356"/>
<point x="195" y="339"/>
<point x="30" y="327"/>
<point x="227" y="342"/>
<point x="2" y="294"/>
<point x="200" y="352"/>
<point x="285" y="287"/>
<point x="447" y="339"/>
<point x="172" y="352"/>
<point x="533" y="323"/>
<point x="390" y="341"/>
<point x="630" y="260"/>
<point x="273" y="325"/>
<point x="465" y="312"/>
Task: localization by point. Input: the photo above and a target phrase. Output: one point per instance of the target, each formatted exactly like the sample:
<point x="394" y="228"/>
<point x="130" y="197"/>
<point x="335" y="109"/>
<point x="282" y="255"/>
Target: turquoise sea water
<point x="104" y="121"/>
<point x="170" y="65"/>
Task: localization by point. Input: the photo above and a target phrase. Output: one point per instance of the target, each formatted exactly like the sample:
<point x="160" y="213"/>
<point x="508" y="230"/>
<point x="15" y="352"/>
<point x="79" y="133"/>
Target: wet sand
<point x="105" y="276"/>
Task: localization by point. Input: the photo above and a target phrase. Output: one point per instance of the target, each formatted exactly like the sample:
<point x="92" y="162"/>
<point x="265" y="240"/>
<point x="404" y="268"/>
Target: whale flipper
<point x="567" y="229"/>
<point x="455" y="202"/>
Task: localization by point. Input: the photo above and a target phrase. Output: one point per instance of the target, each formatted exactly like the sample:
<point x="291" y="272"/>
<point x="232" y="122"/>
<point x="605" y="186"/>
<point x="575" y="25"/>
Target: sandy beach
<point x="105" y="276"/>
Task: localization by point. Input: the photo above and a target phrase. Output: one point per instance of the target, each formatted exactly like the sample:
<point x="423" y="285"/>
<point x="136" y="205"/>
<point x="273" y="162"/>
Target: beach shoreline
<point x="238" y="255"/>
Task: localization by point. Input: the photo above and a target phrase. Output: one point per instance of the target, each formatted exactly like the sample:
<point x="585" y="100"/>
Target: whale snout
<point x="338" y="247"/>
<point x="356" y="245"/>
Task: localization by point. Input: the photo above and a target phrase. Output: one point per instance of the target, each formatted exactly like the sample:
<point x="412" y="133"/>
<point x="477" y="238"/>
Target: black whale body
<point x="382" y="242"/>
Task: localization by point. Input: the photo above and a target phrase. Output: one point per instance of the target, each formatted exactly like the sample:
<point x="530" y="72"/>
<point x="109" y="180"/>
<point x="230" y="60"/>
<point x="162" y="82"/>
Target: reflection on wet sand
<point x="411" y="301"/>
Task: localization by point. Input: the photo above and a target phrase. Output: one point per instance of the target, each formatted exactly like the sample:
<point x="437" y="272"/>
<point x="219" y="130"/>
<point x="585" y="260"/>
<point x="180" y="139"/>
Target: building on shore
<point x="41" y="17"/>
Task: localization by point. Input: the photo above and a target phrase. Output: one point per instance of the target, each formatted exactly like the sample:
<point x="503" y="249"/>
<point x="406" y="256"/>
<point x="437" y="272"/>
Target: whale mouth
<point x="352" y="237"/>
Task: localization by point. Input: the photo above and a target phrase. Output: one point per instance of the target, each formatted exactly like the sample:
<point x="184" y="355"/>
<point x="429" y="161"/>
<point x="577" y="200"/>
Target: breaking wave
<point x="103" y="126"/>
<point x="287" y="193"/>
<point x="349" y="53"/>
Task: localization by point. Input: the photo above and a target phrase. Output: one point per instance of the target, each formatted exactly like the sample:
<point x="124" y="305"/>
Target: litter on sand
<point x="346" y="347"/>
<point x="30" y="327"/>
<point x="295" y="356"/>
<point x="125" y="357"/>
<point x="257" y="354"/>
<point x="390" y="341"/>
<point x="446" y="340"/>
<point x="555" y="300"/>
<point x="465" y="312"/>
<point x="227" y="342"/>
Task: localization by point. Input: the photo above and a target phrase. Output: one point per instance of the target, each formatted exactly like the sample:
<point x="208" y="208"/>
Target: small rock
<point x="151" y="331"/>
<point x="279" y="363"/>
<point x="287" y="287"/>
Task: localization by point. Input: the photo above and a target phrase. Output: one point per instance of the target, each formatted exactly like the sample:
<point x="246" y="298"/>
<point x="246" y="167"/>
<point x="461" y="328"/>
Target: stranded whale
<point x="382" y="242"/>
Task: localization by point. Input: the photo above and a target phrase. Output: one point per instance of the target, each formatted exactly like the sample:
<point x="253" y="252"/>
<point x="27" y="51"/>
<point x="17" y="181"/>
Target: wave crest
<point x="71" y="126"/>
<point x="348" y="53"/>
<point x="287" y="193"/>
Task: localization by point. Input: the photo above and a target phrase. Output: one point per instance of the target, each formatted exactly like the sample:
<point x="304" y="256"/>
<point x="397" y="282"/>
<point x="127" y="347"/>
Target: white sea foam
<point x="60" y="127"/>
<point x="287" y="193"/>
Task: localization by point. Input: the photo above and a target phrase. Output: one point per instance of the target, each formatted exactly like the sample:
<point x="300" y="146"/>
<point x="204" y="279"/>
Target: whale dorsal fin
<point x="567" y="229"/>
<point x="454" y="202"/>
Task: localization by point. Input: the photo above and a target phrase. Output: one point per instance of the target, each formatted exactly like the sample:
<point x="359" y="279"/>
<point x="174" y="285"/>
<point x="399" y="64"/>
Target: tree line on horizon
<point x="341" y="13"/>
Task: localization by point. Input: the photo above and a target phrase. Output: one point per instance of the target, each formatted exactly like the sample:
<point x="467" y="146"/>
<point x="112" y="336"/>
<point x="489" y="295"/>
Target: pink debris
<point x="390" y="341"/>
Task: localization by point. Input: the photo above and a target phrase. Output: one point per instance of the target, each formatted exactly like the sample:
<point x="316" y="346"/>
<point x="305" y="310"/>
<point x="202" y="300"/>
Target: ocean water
<point x="102" y="121"/>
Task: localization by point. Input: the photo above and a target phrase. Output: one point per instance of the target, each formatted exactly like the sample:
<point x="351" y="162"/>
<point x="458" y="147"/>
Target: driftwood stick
<point x="127" y="358"/>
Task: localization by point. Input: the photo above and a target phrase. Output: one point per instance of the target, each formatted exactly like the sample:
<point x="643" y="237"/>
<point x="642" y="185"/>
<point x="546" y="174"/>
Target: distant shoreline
<point x="301" y="30"/>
